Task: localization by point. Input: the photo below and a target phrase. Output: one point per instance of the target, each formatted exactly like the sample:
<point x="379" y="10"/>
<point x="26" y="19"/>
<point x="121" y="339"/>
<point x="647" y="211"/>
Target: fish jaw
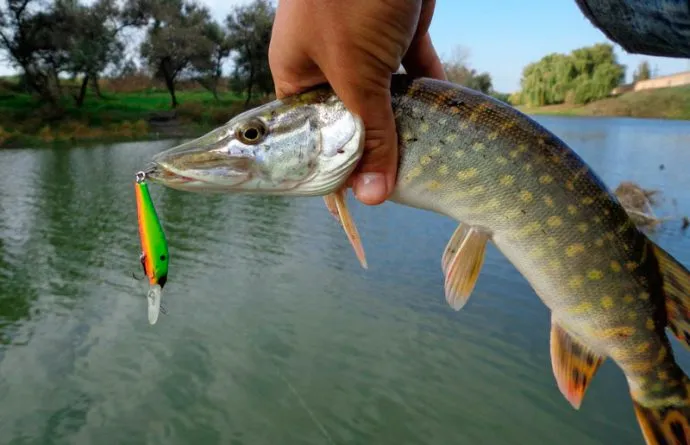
<point x="304" y="145"/>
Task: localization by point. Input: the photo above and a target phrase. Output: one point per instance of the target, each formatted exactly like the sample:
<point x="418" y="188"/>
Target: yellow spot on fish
<point x="555" y="264"/>
<point x="501" y="160"/>
<point x="581" y="308"/>
<point x="536" y="252"/>
<point x="526" y="196"/>
<point x="529" y="229"/>
<point x="522" y="148"/>
<point x="622" y="331"/>
<point x="606" y="302"/>
<point x="569" y="185"/>
<point x="512" y="213"/>
<point x="469" y="173"/>
<point x="476" y="190"/>
<point x="574" y="249"/>
<point x="628" y="298"/>
<point x="407" y="135"/>
<point x="606" y="212"/>
<point x="548" y="201"/>
<point x="451" y="137"/>
<point x="595" y="274"/>
<point x="631" y="265"/>
<point x="424" y="127"/>
<point x="507" y="180"/>
<point x="599" y="242"/>
<point x="650" y="324"/>
<point x="508" y="125"/>
<point x="424" y="160"/>
<point x="644" y="296"/>
<point x="433" y="185"/>
<point x="527" y="167"/>
<point x="413" y="173"/>
<point x="642" y="347"/>
<point x="632" y="315"/>
<point x="435" y="150"/>
<point x="663" y="375"/>
<point x="572" y="209"/>
<point x="554" y="221"/>
<point x="587" y="200"/>
<point x="442" y="121"/>
<point x="492" y="136"/>
<point x="459" y="153"/>
<point x="443" y="170"/>
<point x="615" y="266"/>
<point x="662" y="354"/>
<point x="576" y="281"/>
<point x="514" y="154"/>
<point x="582" y="227"/>
<point x="546" y="179"/>
<point x="609" y="235"/>
<point x="478" y="146"/>
<point x="597" y="219"/>
<point x="551" y="241"/>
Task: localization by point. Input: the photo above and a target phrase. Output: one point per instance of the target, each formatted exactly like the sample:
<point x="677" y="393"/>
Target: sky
<point x="502" y="36"/>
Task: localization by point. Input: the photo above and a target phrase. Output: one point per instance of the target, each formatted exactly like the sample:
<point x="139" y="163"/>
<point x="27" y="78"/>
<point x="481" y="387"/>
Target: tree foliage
<point x="584" y="75"/>
<point x="249" y="28"/>
<point x="458" y="71"/>
<point x="643" y="72"/>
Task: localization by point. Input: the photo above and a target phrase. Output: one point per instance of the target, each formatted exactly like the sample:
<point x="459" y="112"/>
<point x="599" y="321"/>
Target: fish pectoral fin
<point x="461" y="263"/>
<point x="664" y="425"/>
<point x="677" y="292"/>
<point x="336" y="203"/>
<point x="574" y="364"/>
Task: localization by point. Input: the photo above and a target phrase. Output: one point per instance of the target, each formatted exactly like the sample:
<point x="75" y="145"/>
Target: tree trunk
<point x="82" y="91"/>
<point x="250" y="85"/>
<point x="169" y="81"/>
<point x="96" y="86"/>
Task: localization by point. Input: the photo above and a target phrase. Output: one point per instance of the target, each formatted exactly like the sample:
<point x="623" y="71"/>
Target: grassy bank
<point x="145" y="113"/>
<point x="663" y="103"/>
<point x="116" y="116"/>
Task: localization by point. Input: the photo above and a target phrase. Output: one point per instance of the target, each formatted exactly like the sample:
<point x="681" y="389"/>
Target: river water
<point x="274" y="334"/>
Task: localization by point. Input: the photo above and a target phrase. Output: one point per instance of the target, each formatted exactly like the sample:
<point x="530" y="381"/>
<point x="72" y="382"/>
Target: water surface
<point x="274" y="333"/>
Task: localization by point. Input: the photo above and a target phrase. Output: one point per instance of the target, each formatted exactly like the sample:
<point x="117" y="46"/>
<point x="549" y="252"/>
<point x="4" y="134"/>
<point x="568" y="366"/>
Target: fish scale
<point x="506" y="179"/>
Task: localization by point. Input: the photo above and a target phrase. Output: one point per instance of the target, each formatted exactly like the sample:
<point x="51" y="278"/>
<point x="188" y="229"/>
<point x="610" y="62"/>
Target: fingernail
<point x="370" y="188"/>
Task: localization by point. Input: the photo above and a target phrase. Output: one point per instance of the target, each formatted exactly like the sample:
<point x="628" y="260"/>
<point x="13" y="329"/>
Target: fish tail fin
<point x="664" y="425"/>
<point x="676" y="278"/>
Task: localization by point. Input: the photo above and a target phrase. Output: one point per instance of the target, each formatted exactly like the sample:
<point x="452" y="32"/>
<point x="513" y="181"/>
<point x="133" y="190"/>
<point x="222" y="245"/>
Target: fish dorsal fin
<point x="573" y="363"/>
<point x="461" y="263"/>
<point x="677" y="290"/>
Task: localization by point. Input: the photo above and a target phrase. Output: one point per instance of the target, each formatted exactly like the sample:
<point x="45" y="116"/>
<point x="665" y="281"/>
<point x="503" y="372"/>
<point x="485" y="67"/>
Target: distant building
<point x="672" y="80"/>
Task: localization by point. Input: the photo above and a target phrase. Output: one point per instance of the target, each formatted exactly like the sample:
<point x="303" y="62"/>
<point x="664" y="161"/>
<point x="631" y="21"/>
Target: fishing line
<point x="320" y="426"/>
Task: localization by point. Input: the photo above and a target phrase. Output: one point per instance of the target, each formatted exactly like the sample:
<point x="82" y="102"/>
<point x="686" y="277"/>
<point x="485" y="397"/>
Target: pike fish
<point x="611" y="291"/>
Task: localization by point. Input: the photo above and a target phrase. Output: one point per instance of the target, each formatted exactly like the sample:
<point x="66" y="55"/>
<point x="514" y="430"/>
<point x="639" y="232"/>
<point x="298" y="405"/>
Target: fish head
<point x="304" y="145"/>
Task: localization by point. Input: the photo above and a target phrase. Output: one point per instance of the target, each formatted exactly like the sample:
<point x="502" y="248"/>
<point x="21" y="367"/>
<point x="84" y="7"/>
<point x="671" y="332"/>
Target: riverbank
<point x="141" y="115"/>
<point x="662" y="103"/>
<point x="114" y="117"/>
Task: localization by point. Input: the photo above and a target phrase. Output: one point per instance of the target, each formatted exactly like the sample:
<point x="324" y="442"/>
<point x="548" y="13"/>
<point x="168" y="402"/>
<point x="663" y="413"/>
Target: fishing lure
<point x="154" y="256"/>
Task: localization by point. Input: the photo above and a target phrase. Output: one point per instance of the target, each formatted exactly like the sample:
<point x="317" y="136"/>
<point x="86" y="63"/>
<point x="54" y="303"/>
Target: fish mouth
<point x="162" y="174"/>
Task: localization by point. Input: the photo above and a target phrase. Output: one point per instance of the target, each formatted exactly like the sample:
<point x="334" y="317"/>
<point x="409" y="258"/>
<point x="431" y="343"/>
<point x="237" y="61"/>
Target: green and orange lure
<point x="154" y="246"/>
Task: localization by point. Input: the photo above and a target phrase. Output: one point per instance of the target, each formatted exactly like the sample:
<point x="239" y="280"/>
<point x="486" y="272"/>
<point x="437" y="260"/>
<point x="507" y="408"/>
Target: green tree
<point x="210" y="70"/>
<point x="249" y="33"/>
<point x="584" y="75"/>
<point x="643" y="72"/>
<point x="458" y="71"/>
<point x="176" y="40"/>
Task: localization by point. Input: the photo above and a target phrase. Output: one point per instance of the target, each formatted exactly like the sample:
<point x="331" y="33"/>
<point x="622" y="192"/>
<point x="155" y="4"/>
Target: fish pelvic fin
<point x="664" y="425"/>
<point x="574" y="364"/>
<point x="336" y="203"/>
<point x="462" y="262"/>
<point x="676" y="280"/>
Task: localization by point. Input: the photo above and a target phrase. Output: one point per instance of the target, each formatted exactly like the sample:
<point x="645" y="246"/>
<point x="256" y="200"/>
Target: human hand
<point x="356" y="45"/>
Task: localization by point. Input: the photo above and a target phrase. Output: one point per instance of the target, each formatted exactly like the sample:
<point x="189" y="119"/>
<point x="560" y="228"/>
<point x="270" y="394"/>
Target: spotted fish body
<point x="478" y="161"/>
<point x="611" y="291"/>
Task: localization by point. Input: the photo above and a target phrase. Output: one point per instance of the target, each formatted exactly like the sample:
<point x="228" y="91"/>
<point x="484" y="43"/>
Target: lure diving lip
<point x="154" y="246"/>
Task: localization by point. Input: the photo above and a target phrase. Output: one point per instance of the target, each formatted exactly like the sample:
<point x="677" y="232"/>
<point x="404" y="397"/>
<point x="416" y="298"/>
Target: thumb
<point x="374" y="179"/>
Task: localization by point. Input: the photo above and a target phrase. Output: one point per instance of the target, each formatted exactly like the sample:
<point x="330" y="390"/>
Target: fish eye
<point x="251" y="132"/>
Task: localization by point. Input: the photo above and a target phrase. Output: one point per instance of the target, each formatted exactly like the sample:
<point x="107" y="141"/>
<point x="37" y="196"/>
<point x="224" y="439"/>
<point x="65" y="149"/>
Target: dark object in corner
<point x="652" y="27"/>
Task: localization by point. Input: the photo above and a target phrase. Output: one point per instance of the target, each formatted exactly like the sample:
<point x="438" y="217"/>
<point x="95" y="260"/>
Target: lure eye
<point x="251" y="133"/>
